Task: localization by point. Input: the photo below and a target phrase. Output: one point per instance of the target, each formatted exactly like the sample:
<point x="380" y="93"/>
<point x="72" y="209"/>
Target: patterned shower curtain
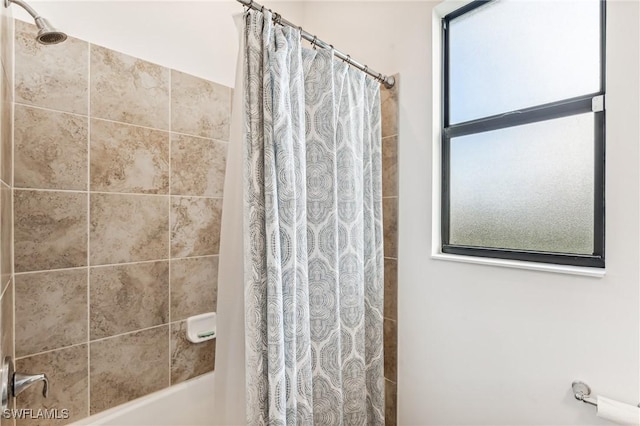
<point x="313" y="234"/>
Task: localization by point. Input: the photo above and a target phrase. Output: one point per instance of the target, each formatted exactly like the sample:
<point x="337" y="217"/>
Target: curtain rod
<point x="388" y="81"/>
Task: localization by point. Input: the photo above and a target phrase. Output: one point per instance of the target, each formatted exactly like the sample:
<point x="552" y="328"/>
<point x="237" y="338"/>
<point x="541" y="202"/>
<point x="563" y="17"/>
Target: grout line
<point x="115" y="264"/>
<point x="88" y="229"/>
<point x="58" y="111"/>
<point x="89" y="118"/>
<point x="170" y="227"/>
<point x="166" y="324"/>
<point x="12" y="233"/>
<point x="75" y="345"/>
<point x="98" y="340"/>
<point x="73" y="191"/>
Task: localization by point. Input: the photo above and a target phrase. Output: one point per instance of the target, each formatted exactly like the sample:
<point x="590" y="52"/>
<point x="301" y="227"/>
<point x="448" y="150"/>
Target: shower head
<point x="47" y="34"/>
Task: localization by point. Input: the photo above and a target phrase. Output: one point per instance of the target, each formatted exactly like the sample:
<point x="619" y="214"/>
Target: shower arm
<point x="29" y="9"/>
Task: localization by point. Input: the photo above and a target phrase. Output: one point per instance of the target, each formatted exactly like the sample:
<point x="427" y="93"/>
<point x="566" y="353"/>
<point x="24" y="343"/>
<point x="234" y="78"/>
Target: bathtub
<point x="189" y="403"/>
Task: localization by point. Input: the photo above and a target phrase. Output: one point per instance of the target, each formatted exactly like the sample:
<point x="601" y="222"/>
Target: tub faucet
<point x="12" y="383"/>
<point x="22" y="381"/>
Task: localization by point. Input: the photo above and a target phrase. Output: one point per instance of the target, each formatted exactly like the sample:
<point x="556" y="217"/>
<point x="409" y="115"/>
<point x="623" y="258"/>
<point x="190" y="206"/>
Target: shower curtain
<point x="313" y="234"/>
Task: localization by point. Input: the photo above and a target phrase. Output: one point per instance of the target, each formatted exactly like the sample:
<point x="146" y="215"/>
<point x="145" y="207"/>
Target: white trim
<point x="519" y="264"/>
<point x="440" y="11"/>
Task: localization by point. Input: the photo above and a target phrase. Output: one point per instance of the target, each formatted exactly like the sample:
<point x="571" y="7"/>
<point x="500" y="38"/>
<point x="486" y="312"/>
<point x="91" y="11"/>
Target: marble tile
<point x="189" y="360"/>
<point x="195" y="226"/>
<point x="390" y="166"/>
<point x="129" y="90"/>
<point x="389" y="108"/>
<point x="6" y="97"/>
<point x="128" y="297"/>
<point x="194" y="286"/>
<point x="390" y="226"/>
<point x="6" y="143"/>
<point x="54" y="76"/>
<point x="391" y="400"/>
<point x="7" y="50"/>
<point x="128" y="228"/>
<point x="50" y="149"/>
<point x="6" y="256"/>
<point x="128" y="158"/>
<point x="51" y="310"/>
<point x="50" y="230"/>
<point x="197" y="166"/>
<point x="199" y="107"/>
<point x="390" y="349"/>
<point x="128" y="366"/>
<point x="391" y="288"/>
<point x="67" y="370"/>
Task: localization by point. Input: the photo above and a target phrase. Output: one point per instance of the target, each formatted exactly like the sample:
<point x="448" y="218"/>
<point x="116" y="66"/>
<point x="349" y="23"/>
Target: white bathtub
<point x="186" y="404"/>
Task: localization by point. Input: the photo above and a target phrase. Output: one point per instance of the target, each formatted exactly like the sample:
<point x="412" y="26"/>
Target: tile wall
<point x="6" y="183"/>
<point x="389" y="112"/>
<point x="118" y="179"/>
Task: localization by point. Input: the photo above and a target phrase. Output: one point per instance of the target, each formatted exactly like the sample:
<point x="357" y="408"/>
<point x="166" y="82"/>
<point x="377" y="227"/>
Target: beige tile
<point x="50" y="149"/>
<point x="390" y="349"/>
<point x="390" y="226"/>
<point x="129" y="90"/>
<point x="128" y="366"/>
<point x="7" y="51"/>
<point x="197" y="166"/>
<point x="6" y="97"/>
<point x="128" y="297"/>
<point x="390" y="166"/>
<point x="6" y="323"/>
<point x="390" y="402"/>
<point x="195" y="226"/>
<point x="6" y="143"/>
<point x="128" y="228"/>
<point x="189" y="360"/>
<point x="391" y="288"/>
<point x="50" y="230"/>
<point x="199" y="107"/>
<point x="68" y="373"/>
<point x="128" y="158"/>
<point x="53" y="76"/>
<point x="6" y="257"/>
<point x="389" y="109"/>
<point x="51" y="310"/>
<point x="194" y="286"/>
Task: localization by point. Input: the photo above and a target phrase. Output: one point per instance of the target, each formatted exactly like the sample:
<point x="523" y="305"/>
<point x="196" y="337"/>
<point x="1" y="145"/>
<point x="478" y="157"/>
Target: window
<point x="523" y="131"/>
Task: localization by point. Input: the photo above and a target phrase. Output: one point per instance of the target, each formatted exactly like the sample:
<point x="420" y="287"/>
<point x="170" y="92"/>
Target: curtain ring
<point x="262" y="9"/>
<point x="366" y="69"/>
<point x="348" y="60"/>
<point x="313" y="42"/>
<point x="276" y="18"/>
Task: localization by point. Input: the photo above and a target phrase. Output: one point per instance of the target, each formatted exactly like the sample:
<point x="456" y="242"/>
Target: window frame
<point x="538" y="113"/>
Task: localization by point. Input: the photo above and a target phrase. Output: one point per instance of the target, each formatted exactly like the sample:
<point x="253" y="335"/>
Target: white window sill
<point x="532" y="266"/>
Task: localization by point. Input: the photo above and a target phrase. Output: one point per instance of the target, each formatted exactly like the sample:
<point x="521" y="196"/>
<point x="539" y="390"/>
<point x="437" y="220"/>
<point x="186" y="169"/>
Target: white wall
<point x="487" y="345"/>
<point x="196" y="37"/>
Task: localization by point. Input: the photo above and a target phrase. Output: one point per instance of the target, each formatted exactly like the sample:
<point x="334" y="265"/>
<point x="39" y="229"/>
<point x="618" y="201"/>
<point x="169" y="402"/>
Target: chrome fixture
<point x="47" y="34"/>
<point x="12" y="384"/>
<point x="582" y="392"/>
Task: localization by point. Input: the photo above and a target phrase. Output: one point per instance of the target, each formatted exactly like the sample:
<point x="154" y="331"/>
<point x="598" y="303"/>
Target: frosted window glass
<point x="509" y="55"/>
<point x="528" y="187"/>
